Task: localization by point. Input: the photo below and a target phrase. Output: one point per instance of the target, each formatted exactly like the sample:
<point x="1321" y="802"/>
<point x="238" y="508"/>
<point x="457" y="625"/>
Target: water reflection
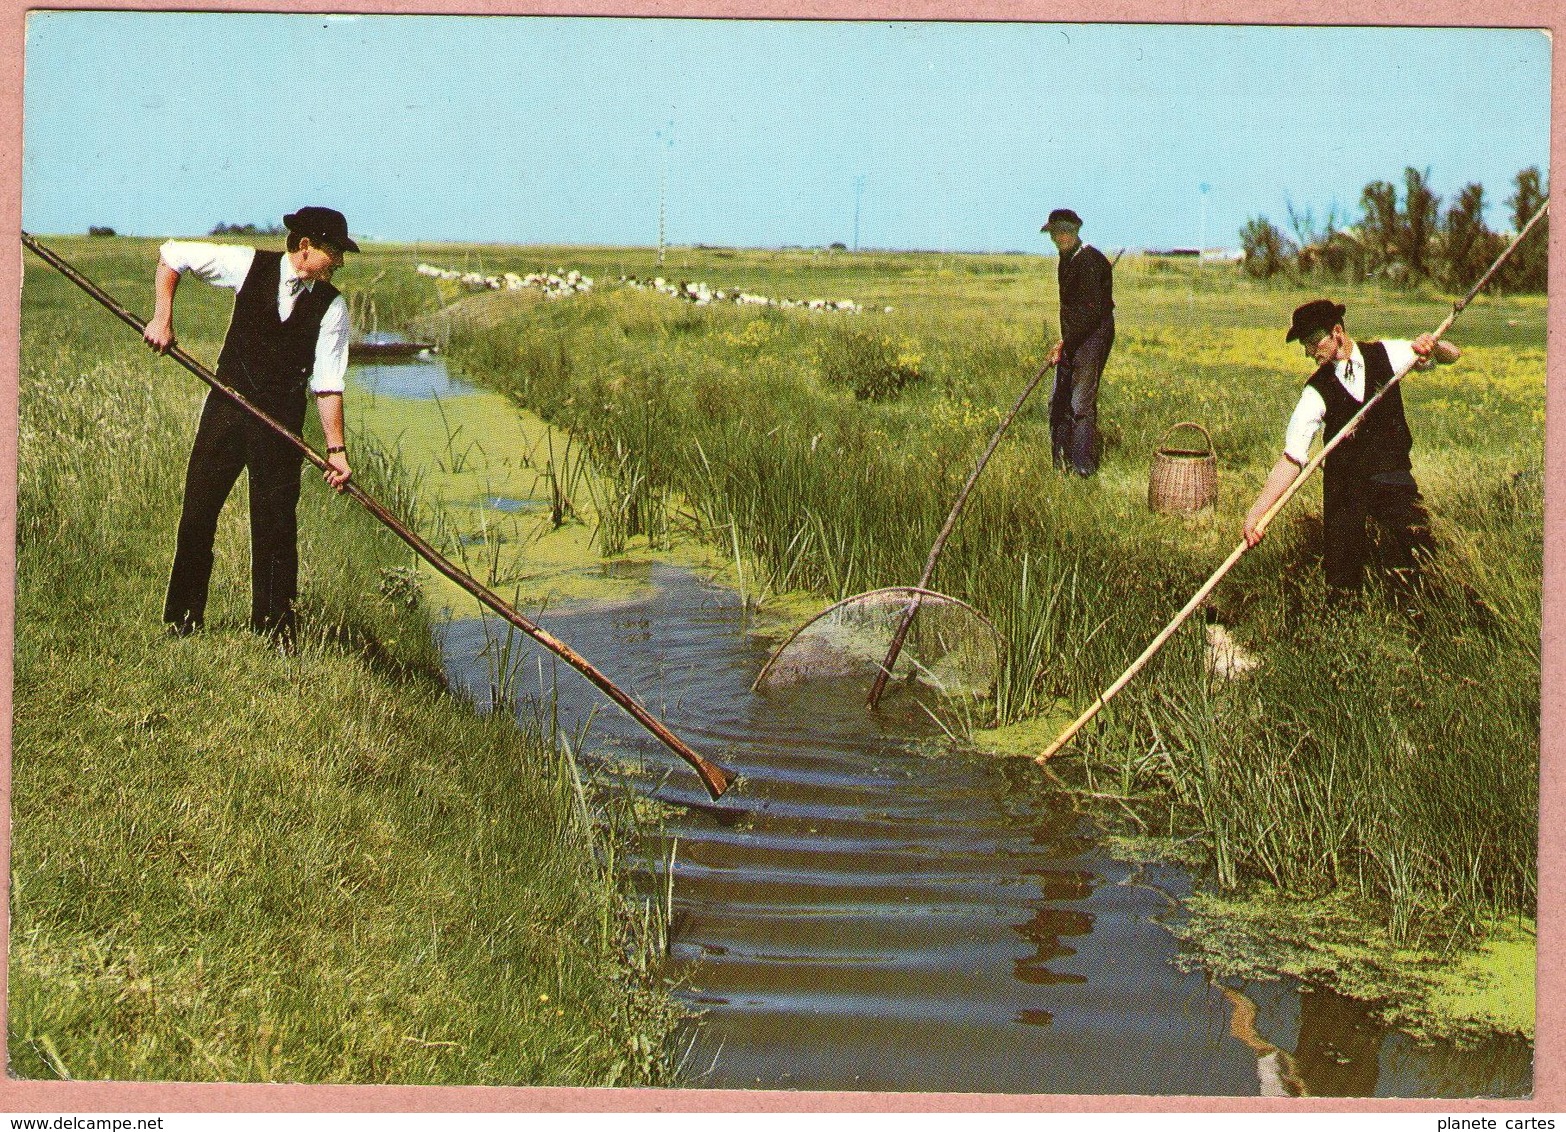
<point x="416" y="378"/>
<point x="1339" y="1046"/>
<point x="1341" y="1050"/>
<point x="1044" y="932"/>
<point x="1276" y="1075"/>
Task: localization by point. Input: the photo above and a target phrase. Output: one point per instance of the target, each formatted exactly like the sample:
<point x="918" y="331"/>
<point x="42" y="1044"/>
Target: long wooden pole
<point x="901" y="635"/>
<point x="884" y="673"/>
<point x="1299" y="481"/>
<point x="716" y="778"/>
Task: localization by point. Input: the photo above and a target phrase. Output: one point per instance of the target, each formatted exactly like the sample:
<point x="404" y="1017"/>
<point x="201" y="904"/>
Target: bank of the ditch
<point x="1383" y="762"/>
<point x="229" y="864"/>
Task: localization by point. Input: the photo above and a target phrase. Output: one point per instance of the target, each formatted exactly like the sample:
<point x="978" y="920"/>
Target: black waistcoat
<point x="1381" y="443"/>
<point x="261" y="352"/>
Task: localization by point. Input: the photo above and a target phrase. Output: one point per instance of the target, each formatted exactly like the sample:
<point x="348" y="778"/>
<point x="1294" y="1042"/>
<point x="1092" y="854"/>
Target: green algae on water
<point x="1494" y="985"/>
<point x="1029" y="737"/>
<point x="1421" y="988"/>
<point x="516" y="503"/>
<point x="495" y="477"/>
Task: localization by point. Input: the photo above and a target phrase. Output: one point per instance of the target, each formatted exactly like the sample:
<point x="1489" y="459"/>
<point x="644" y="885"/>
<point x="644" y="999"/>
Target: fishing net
<point x="950" y="647"/>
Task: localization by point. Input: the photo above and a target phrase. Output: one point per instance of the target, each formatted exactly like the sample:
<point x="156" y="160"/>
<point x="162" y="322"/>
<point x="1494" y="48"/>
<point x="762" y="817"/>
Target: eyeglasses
<point x="1313" y="339"/>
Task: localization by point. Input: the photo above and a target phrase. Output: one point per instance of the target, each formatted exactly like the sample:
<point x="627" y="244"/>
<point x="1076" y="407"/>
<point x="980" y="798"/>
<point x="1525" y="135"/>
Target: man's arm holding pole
<point x="1444" y="352"/>
<point x="330" y="408"/>
<point x="159" y="333"/>
<point x="327" y="382"/>
<point x="1279" y="480"/>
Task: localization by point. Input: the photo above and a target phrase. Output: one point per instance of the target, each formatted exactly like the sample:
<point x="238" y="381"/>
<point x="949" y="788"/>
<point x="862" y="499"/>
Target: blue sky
<point x="947" y="136"/>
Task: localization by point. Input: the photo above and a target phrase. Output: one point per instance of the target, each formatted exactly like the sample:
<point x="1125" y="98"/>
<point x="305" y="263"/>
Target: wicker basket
<point x="1183" y="480"/>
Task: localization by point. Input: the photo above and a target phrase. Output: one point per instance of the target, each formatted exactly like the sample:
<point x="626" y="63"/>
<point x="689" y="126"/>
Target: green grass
<point x="1391" y="755"/>
<point x="233" y="865"/>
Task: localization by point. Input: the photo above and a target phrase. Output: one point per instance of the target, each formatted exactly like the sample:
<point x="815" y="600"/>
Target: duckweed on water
<point x="511" y="499"/>
<point x="1026" y="738"/>
<point x="1326" y="941"/>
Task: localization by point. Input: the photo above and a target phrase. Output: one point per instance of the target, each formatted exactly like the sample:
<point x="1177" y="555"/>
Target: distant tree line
<point x="246" y="230"/>
<point x="99" y="230"/>
<point x="1406" y="240"/>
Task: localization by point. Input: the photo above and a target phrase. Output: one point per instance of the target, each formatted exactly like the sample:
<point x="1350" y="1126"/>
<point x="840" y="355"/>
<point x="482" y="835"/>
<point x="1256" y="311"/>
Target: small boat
<point x="374" y="343"/>
<point x="385" y="346"/>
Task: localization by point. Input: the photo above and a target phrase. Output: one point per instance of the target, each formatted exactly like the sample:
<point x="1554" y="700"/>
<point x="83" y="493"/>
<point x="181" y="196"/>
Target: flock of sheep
<point x="556" y="286"/>
<point x="703" y="295"/>
<point x="553" y="286"/>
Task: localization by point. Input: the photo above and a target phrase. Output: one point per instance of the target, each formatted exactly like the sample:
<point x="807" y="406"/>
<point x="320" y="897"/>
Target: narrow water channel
<point x="873" y="910"/>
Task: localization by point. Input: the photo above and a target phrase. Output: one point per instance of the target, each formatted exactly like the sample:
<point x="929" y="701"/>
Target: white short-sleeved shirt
<point x="1311" y="410"/>
<point x="225" y="265"/>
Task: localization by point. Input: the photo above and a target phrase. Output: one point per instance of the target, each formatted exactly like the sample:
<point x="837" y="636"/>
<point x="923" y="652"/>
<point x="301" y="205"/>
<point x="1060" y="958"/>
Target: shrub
<point x="224" y="229"/>
<point x="875" y="366"/>
<point x="1267" y="250"/>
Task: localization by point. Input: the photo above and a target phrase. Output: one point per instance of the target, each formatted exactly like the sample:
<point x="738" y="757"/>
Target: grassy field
<point x="229" y="864"/>
<point x="1390" y="755"/>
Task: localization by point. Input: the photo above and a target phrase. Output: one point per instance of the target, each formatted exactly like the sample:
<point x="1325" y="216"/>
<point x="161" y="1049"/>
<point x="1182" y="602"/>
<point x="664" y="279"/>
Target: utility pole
<point x="1201" y="249"/>
<point x="1202" y="244"/>
<point x="666" y="136"/>
<point x="859" y="192"/>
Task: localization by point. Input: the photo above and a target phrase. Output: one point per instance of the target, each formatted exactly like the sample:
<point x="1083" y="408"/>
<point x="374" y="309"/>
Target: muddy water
<point x="870" y="910"/>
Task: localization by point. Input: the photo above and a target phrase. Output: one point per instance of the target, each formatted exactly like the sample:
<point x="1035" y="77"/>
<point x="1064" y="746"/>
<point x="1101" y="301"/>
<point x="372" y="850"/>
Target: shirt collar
<point x="1355" y="359"/>
<point x="289" y="274"/>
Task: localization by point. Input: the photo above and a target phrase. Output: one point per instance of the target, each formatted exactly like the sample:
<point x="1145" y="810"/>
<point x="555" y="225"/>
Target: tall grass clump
<point x="230" y="864"/>
<point x="873" y="366"/>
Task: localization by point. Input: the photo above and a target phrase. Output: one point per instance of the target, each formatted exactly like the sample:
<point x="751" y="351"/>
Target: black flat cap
<point x="322" y="226"/>
<point x="1318" y="314"/>
<point x="1062" y="216"/>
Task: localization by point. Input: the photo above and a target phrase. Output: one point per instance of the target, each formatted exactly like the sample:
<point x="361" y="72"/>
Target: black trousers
<point x="1395" y="504"/>
<point x="1073" y="403"/>
<point x="228" y="441"/>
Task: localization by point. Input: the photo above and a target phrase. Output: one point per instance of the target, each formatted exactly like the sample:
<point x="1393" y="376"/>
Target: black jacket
<point x="1087" y="294"/>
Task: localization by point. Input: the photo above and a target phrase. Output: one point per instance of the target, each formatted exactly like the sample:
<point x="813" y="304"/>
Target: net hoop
<point x="904" y="595"/>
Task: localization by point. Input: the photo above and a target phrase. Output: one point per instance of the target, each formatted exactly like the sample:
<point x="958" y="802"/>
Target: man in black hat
<point x="289" y="334"/>
<point x="1087" y="331"/>
<point x="1369" y="474"/>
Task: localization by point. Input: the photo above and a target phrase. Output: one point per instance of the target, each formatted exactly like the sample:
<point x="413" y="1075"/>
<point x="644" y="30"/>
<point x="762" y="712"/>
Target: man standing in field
<point x="1087" y="331"/>
<point x="1370" y="474"/>
<point x="289" y="331"/>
